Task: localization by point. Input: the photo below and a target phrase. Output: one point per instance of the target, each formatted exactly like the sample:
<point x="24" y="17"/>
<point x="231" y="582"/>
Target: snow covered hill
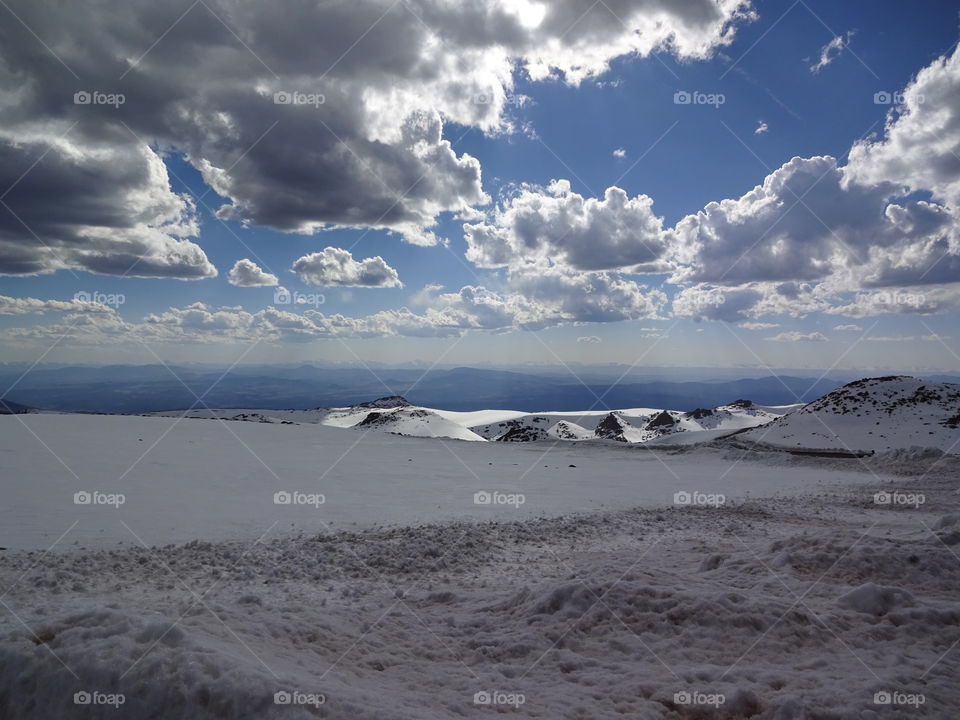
<point x="633" y="425"/>
<point x="874" y="414"/>
<point x="636" y="425"/>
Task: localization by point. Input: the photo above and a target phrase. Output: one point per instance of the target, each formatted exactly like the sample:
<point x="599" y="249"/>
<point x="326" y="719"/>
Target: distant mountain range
<point x="860" y="418"/>
<point x="151" y="388"/>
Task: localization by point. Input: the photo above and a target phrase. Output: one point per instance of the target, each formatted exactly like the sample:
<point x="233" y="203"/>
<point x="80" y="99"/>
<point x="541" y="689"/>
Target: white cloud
<point x="848" y="328"/>
<point x="589" y="339"/>
<point x="28" y="305"/>
<point x="357" y="144"/>
<point x="619" y="153"/>
<point x="796" y="336"/>
<point x="758" y="325"/>
<point x="336" y="267"/>
<point x="557" y="224"/>
<point x="762" y="127"/>
<point x="246" y="273"/>
<point x="831" y="51"/>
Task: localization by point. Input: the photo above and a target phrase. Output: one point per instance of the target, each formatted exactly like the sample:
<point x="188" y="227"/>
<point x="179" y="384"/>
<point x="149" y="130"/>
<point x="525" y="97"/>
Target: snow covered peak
<point x="389" y="401"/>
<point x="873" y="414"/>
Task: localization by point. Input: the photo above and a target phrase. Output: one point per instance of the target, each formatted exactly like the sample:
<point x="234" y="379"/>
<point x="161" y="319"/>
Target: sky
<point x="700" y="183"/>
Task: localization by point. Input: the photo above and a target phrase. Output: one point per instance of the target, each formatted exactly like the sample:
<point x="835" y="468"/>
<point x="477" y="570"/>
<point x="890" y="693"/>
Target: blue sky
<point x="567" y="127"/>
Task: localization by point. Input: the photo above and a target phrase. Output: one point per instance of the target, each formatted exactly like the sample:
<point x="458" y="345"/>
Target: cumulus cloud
<point x="246" y="273"/>
<point x="758" y="325"/>
<point x="796" y="336"/>
<point x="107" y="210"/>
<point x="557" y="224"/>
<point x="336" y="267"/>
<point x="761" y="128"/>
<point x="619" y="153"/>
<point x="325" y="115"/>
<point x="848" y="328"/>
<point x="28" y="305"/>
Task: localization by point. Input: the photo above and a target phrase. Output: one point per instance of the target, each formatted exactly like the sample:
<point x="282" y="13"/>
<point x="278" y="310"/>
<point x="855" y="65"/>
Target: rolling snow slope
<point x="874" y="414"/>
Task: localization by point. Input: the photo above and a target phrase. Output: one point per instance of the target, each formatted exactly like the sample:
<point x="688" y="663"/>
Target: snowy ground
<point x="812" y="598"/>
<point x="215" y="480"/>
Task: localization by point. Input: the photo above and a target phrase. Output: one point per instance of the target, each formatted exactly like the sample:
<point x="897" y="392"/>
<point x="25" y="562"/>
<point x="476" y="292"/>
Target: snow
<point x="802" y="605"/>
<point x="876" y="414"/>
<point x="208" y="479"/>
<point x="399" y="417"/>
<point x="279" y="567"/>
